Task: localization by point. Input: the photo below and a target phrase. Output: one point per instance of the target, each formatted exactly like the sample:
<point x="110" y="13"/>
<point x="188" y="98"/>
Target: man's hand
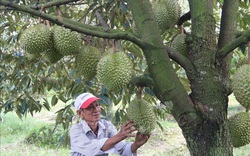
<point x="127" y="129"/>
<point x="140" y="139"/>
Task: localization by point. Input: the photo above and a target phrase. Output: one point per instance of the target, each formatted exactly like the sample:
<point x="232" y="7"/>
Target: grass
<point x="169" y="142"/>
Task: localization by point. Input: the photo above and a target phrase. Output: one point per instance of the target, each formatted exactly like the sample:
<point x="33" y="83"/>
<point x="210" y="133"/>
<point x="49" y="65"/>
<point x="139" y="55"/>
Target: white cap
<point x="84" y="100"/>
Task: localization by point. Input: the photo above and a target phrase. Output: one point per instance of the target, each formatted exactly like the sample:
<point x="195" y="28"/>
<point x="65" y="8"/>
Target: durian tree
<point x="214" y="30"/>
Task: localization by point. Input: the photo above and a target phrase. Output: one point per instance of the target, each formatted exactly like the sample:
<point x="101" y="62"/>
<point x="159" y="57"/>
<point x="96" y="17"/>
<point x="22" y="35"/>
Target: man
<point x="94" y="136"/>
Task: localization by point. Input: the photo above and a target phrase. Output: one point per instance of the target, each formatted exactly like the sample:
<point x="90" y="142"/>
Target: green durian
<point x="167" y="13"/>
<point x="36" y="39"/>
<point x="241" y="85"/>
<point x="142" y="114"/>
<point x="87" y="60"/>
<point x="114" y="70"/>
<point x="65" y="41"/>
<point x="239" y="127"/>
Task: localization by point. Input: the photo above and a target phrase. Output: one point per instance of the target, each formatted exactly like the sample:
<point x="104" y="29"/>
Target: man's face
<point x="92" y="113"/>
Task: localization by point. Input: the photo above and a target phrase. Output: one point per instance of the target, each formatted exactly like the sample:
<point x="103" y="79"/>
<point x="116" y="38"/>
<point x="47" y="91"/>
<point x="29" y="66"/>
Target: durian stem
<point x="139" y="92"/>
<point x="59" y="12"/>
<point x="97" y="88"/>
<point x="47" y="23"/>
<point x="40" y="19"/>
<point x="182" y="29"/>
<point x="114" y="46"/>
<point x="89" y="40"/>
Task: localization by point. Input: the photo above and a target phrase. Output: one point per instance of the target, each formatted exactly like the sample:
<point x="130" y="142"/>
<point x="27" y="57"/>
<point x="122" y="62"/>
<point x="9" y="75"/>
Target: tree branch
<point x="77" y="26"/>
<point x="184" y="18"/>
<point x="52" y="4"/>
<point x="243" y="39"/>
<point x="180" y="59"/>
<point x="228" y="22"/>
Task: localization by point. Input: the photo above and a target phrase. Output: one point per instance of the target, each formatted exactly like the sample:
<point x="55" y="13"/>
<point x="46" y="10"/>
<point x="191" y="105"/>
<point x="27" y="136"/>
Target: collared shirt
<point x="84" y="142"/>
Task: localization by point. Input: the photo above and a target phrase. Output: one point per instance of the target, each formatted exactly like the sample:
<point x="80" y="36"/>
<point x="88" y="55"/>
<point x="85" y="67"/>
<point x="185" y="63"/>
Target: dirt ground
<point x="170" y="142"/>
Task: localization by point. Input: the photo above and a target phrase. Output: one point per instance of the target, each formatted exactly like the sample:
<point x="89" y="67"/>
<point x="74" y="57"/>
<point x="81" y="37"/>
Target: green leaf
<point x="54" y="100"/>
<point x="243" y="5"/>
<point x="62" y="98"/>
<point x="46" y="104"/>
<point x="159" y="124"/>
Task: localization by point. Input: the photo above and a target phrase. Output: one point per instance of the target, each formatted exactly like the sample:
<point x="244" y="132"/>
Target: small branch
<point x="59" y="12"/>
<point x="77" y="26"/>
<point x="228" y="22"/>
<point x="243" y="39"/>
<point x="52" y="4"/>
<point x="184" y="18"/>
<point x="99" y="17"/>
<point x="105" y="25"/>
<point x="180" y="59"/>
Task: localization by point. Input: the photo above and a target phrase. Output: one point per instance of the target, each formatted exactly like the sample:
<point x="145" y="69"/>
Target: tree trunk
<point x="208" y="139"/>
<point x="202" y="115"/>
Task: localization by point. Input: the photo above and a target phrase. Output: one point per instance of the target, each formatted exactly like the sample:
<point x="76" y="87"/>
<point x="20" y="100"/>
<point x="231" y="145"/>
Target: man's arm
<point x="125" y="132"/>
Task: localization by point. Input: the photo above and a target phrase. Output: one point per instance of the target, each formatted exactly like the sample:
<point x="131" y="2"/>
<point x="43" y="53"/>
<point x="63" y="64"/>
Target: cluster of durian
<point x="239" y="124"/>
<point x="113" y="69"/>
<point x="179" y="44"/>
<point x="51" y="43"/>
<point x="239" y="127"/>
<point x="142" y="114"/>
<point x="167" y="13"/>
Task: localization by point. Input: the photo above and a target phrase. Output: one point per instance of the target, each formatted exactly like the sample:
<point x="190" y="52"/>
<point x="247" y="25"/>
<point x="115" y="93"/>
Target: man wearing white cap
<point x="94" y="136"/>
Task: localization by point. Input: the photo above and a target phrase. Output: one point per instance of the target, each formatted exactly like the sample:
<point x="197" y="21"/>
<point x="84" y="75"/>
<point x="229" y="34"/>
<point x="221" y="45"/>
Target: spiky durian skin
<point x="167" y="13"/>
<point x="52" y="55"/>
<point x="179" y="44"/>
<point x="241" y="85"/>
<point x="115" y="70"/>
<point x="66" y="42"/>
<point x="141" y="112"/>
<point x="239" y="127"/>
<point x="87" y="60"/>
<point x="36" y="39"/>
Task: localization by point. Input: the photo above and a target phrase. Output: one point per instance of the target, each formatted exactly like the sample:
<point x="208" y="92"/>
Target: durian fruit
<point x="167" y="13"/>
<point x="179" y="44"/>
<point x="142" y="114"/>
<point x="114" y="70"/>
<point x="66" y="42"/>
<point x="52" y="55"/>
<point x="239" y="127"/>
<point x="87" y="60"/>
<point x="36" y="39"/>
<point x="241" y="85"/>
